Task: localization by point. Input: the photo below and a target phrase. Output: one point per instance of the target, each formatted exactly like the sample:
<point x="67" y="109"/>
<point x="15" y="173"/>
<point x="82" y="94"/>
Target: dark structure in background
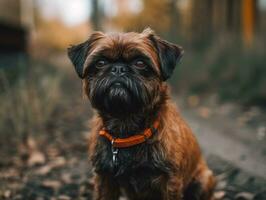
<point x="12" y="38"/>
<point x="95" y="16"/>
<point x="16" y="19"/>
<point x="239" y="17"/>
<point x="197" y="21"/>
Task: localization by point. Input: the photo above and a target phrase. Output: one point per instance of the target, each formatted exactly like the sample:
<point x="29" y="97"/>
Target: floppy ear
<point x="169" y="53"/>
<point x="78" y="53"/>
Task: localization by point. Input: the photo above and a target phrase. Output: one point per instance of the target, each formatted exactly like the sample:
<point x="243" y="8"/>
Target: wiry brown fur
<point x="177" y="145"/>
<point x="169" y="166"/>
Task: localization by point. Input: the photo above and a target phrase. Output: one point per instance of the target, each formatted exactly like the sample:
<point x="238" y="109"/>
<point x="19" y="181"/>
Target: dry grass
<point x="28" y="103"/>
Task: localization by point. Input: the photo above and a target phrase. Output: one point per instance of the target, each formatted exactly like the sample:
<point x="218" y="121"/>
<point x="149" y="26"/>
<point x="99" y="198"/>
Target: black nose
<point x="119" y="70"/>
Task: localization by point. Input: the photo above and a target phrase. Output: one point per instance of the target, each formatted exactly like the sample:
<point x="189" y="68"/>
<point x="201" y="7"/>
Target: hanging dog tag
<point x="114" y="152"/>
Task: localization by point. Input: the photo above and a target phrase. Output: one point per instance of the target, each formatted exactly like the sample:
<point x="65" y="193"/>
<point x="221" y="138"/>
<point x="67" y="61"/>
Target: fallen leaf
<point x="52" y="152"/>
<point x="7" y="194"/>
<point x="193" y="101"/>
<point x="31" y="143"/>
<point x="91" y="183"/>
<point x="221" y="185"/>
<point x="40" y="198"/>
<point x="35" y="158"/>
<point x="204" y="112"/>
<point x="64" y="197"/>
<point x="219" y="195"/>
<point x="9" y="173"/>
<point x="261" y="132"/>
<point x="52" y="184"/>
<point x="82" y="189"/>
<point x="66" y="178"/>
<point x="244" y="196"/>
<point x="58" y="162"/>
<point x="44" y="170"/>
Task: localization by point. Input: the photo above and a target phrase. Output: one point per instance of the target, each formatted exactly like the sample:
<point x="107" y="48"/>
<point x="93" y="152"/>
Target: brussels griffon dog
<point x="139" y="145"/>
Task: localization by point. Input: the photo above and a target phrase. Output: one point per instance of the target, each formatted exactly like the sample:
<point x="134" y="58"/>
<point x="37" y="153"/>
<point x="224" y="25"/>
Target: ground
<point x="54" y="165"/>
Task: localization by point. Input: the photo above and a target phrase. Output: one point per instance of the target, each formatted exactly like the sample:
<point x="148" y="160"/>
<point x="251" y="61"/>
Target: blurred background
<point x="219" y="87"/>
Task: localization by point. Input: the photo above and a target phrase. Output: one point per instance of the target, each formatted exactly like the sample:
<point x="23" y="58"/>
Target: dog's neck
<point x="131" y="124"/>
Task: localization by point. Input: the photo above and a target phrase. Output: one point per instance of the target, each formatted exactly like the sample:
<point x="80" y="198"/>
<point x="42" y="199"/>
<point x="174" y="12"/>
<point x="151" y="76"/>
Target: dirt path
<point x="222" y="137"/>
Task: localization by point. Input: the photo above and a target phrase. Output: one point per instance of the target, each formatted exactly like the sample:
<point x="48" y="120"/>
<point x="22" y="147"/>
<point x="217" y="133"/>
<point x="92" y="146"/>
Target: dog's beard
<point x="119" y="95"/>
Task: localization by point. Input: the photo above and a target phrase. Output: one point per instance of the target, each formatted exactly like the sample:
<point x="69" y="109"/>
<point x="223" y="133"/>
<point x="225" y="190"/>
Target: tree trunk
<point x="248" y="21"/>
<point x="95" y="17"/>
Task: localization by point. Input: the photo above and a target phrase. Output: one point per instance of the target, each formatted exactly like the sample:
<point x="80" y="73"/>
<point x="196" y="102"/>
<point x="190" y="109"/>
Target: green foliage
<point x="227" y="68"/>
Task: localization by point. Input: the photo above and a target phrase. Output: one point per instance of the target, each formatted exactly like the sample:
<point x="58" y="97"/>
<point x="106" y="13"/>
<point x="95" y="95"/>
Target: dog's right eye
<point x="101" y="63"/>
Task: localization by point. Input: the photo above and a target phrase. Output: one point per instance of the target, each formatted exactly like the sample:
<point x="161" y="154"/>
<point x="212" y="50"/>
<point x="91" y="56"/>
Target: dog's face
<point x="124" y="72"/>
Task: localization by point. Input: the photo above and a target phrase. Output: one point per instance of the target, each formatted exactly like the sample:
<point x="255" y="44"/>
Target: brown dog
<point x="140" y="146"/>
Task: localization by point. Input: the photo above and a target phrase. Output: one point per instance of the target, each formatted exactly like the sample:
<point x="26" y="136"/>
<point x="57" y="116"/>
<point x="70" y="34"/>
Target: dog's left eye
<point x="140" y="64"/>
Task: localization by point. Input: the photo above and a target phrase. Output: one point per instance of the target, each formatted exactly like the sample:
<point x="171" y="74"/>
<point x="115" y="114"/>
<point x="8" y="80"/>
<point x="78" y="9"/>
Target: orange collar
<point x="132" y="140"/>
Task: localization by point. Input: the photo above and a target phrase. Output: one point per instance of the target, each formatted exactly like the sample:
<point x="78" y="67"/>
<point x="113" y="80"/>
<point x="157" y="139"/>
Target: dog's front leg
<point x="174" y="189"/>
<point x="105" y="188"/>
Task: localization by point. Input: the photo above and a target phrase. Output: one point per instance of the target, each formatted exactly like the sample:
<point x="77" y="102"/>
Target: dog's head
<point x="124" y="72"/>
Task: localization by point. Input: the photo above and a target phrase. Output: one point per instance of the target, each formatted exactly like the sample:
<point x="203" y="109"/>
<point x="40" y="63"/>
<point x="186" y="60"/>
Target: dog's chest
<point x="143" y="183"/>
<point x="136" y="167"/>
